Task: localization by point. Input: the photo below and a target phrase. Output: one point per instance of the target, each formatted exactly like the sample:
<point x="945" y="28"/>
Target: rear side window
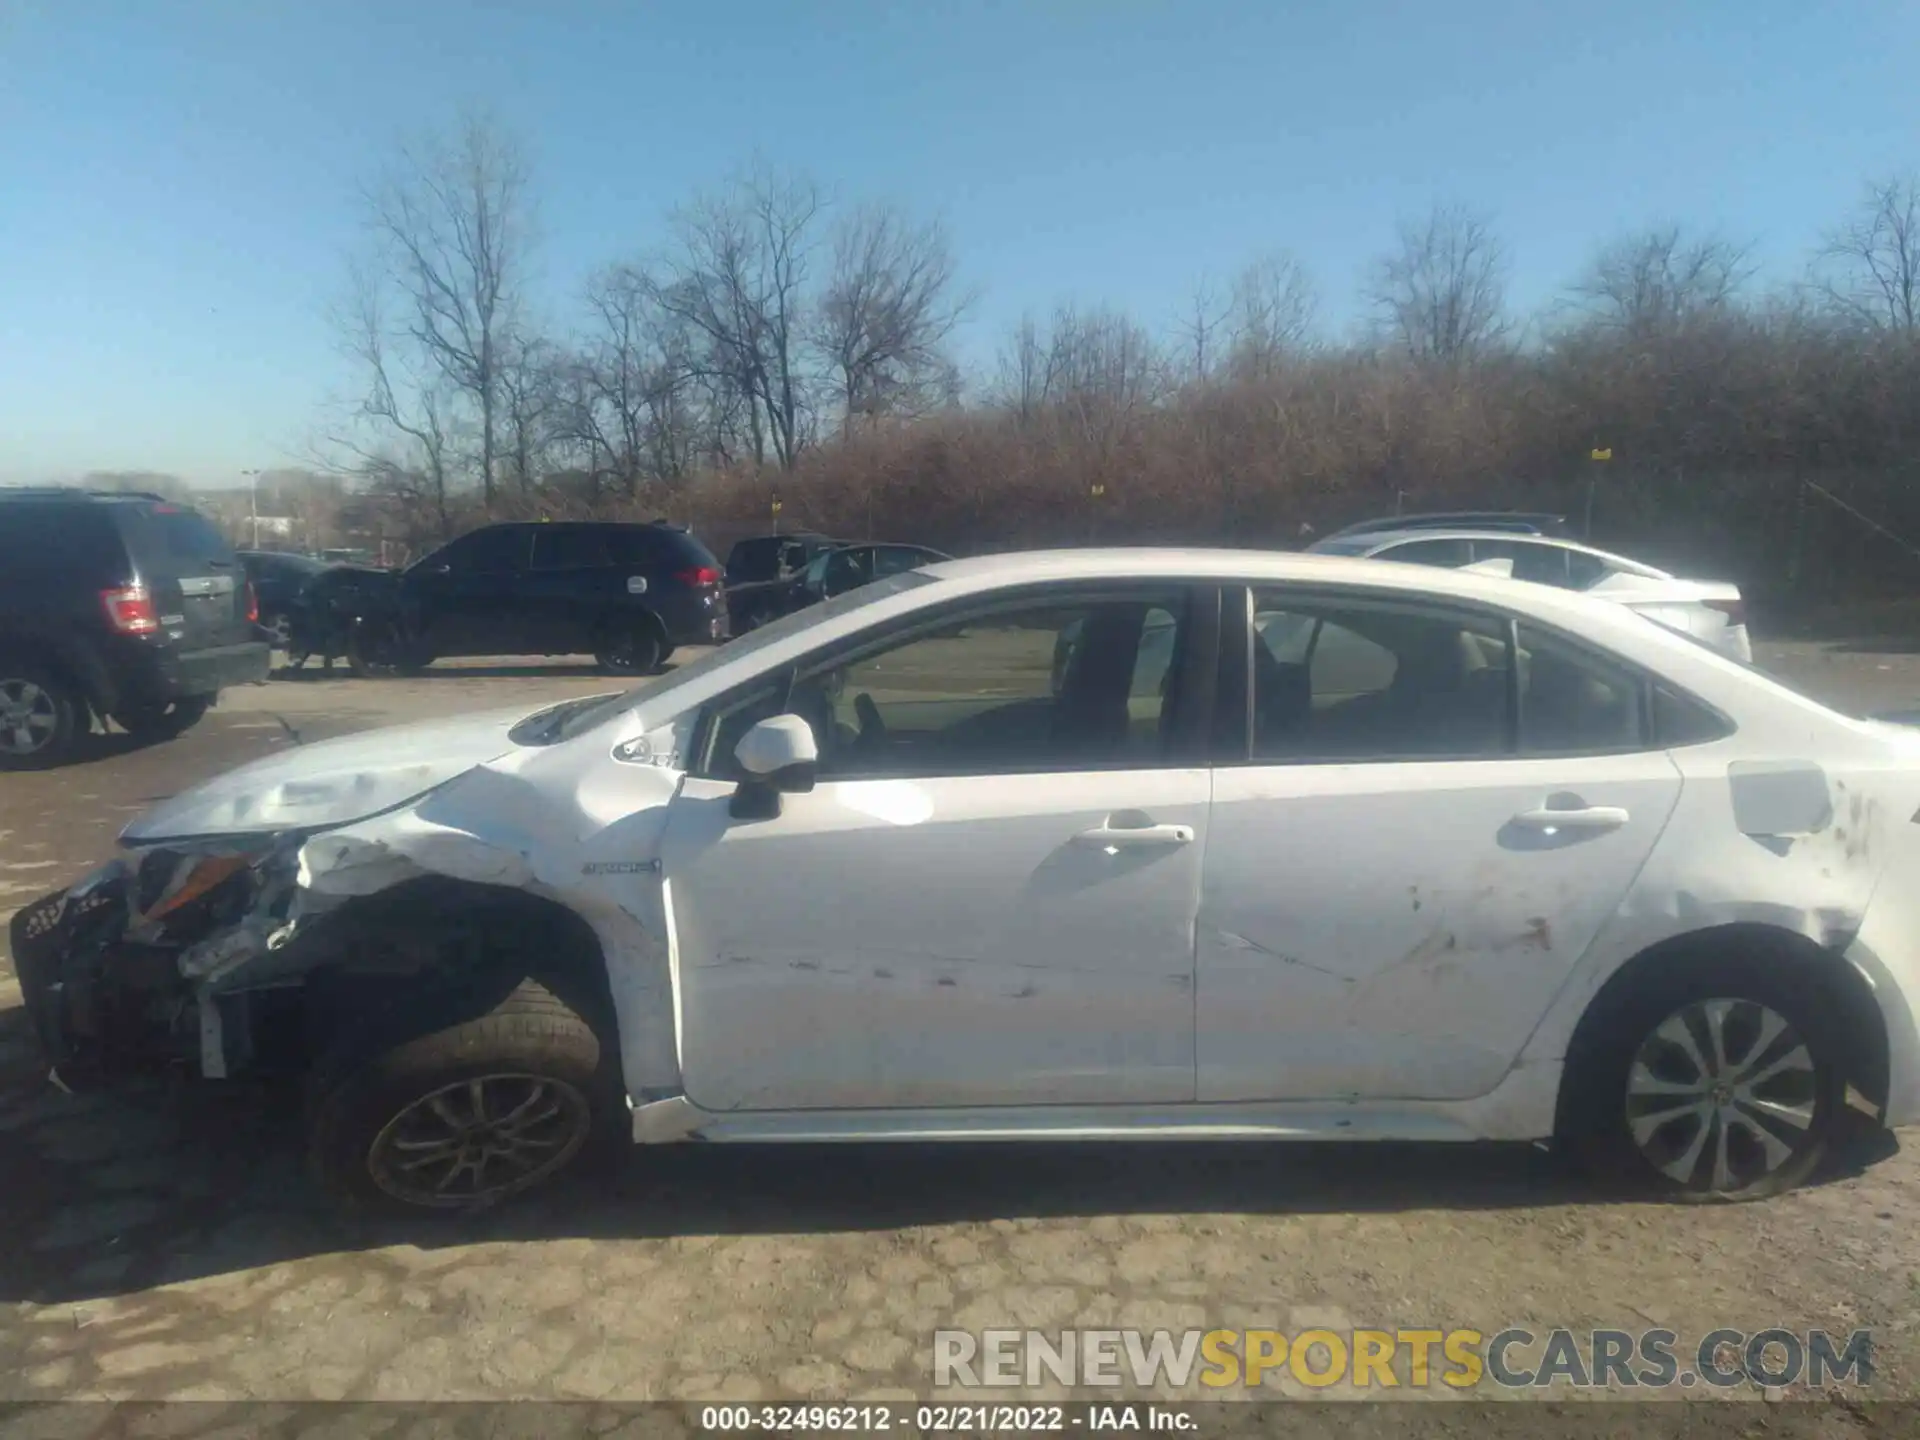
<point x="487" y="552"/>
<point x="1539" y="564"/>
<point x="173" y="540"/>
<point x="645" y="547"/>
<point x="1572" y="702"/>
<point x="74" y="542"/>
<point x="566" y="548"/>
<point x="1447" y="553"/>
<point x="1681" y="720"/>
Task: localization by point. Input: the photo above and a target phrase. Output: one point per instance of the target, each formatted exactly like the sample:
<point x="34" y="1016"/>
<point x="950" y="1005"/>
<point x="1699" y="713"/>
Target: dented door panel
<point x="1396" y="930"/>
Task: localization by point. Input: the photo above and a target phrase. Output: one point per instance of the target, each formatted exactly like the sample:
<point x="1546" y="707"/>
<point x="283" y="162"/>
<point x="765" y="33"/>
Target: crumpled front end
<point x="123" y="971"/>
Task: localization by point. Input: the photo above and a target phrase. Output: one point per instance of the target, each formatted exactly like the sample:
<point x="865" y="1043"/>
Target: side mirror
<point x="780" y="756"/>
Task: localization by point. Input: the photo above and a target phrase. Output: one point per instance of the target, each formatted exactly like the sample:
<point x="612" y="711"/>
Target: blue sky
<point x="176" y="191"/>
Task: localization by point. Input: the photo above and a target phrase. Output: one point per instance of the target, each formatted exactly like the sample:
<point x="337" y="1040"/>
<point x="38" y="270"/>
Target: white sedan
<point x="1171" y="844"/>
<point x="1710" y="610"/>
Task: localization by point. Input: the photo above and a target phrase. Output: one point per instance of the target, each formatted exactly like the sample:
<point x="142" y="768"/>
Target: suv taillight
<point x="698" y="575"/>
<point x="130" y="611"/>
<point x="253" y="605"/>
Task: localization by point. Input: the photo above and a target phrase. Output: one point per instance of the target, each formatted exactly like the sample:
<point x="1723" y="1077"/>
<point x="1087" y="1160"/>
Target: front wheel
<point x="163" y="721"/>
<point x="1718" y="1081"/>
<point x="469" y="1115"/>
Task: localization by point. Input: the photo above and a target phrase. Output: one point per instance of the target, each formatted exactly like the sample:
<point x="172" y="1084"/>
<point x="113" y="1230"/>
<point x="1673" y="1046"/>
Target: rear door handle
<point x="1133" y="837"/>
<point x="1590" y="818"/>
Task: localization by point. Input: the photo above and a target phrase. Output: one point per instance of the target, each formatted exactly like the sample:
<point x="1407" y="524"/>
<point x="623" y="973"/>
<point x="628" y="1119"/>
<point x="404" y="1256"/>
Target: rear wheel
<point x="466" y="1116"/>
<point x="41" y="716"/>
<point x="631" y="647"/>
<point x="163" y="721"/>
<point x="1720" y="1080"/>
<point x="378" y="648"/>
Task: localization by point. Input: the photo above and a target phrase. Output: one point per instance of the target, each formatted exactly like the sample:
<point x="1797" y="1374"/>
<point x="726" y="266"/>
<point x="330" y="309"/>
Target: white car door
<point x="989" y="896"/>
<point x="1396" y="882"/>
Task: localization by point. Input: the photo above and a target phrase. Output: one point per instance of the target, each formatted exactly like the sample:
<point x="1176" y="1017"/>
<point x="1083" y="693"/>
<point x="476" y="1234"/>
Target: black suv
<point x="625" y="594"/>
<point x="116" y="605"/>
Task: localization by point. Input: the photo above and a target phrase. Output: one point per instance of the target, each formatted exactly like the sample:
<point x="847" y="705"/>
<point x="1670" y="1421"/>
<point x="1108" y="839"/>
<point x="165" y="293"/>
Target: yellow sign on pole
<point x="1606" y="454"/>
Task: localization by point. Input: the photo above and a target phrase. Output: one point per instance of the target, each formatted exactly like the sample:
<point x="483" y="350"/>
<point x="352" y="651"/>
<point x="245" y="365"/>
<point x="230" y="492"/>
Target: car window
<point x="172" y="540"/>
<point x="484" y="552"/>
<point x="1540" y="564"/>
<point x="1575" y="702"/>
<point x="1348" y="682"/>
<point x="1585" y="571"/>
<point x="567" y="548"/>
<point x="76" y="543"/>
<point x="847" y="569"/>
<point x="1681" y="720"/>
<point x="1447" y="553"/>
<point x="815" y="578"/>
<point x="892" y="559"/>
<point x="1031" y="686"/>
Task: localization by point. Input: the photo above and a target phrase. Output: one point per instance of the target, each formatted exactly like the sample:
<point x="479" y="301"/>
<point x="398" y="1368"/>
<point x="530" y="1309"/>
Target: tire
<point x="164" y="722"/>
<point x="633" y="647"/>
<point x="373" y="1119"/>
<point x="41" y="716"/>
<point x="377" y="650"/>
<point x="1629" y="1120"/>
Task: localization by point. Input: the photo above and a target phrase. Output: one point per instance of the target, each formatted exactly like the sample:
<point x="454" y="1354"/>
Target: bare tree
<point x="452" y="224"/>
<point x="1271" y="314"/>
<point x="738" y="282"/>
<point x="1441" y="293"/>
<point x="397" y="402"/>
<point x="1199" y="330"/>
<point x="1648" y="283"/>
<point x="885" y="317"/>
<point x="530" y="404"/>
<point x="1870" y="266"/>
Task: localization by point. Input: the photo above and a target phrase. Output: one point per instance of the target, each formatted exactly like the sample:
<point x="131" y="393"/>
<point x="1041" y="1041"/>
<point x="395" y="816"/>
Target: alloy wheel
<point x="29" y="717"/>
<point x="1722" y="1094"/>
<point x="479" y="1140"/>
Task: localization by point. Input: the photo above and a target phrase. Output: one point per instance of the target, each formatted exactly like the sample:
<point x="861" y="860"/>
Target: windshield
<point x="567" y="723"/>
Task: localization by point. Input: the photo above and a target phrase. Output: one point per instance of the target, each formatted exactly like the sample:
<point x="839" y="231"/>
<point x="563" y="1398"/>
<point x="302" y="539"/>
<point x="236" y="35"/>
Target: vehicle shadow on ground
<point x="440" y="670"/>
<point x="112" y="1194"/>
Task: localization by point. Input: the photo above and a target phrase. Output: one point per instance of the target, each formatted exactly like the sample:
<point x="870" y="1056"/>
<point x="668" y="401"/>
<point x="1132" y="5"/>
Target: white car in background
<point x="1709" y="610"/>
<point x="1166" y="844"/>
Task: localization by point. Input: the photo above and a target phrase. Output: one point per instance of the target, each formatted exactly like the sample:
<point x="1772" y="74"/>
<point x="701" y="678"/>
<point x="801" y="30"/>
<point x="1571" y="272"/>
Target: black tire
<point x="1642" y="1138"/>
<point x="631" y="647"/>
<point x="42" y="716"/>
<point x="369" y="1113"/>
<point x="376" y="650"/>
<point x="163" y="722"/>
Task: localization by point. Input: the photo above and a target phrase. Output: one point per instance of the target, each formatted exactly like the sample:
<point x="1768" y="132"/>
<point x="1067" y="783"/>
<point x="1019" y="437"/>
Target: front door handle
<point x="1587" y="819"/>
<point x="1133" y="837"/>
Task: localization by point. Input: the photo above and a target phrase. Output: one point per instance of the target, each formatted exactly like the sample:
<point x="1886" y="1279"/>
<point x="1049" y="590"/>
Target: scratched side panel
<point x="1387" y="931"/>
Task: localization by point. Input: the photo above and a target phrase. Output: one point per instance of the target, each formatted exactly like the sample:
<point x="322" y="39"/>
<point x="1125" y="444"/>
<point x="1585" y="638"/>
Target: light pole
<point x="253" y="506"/>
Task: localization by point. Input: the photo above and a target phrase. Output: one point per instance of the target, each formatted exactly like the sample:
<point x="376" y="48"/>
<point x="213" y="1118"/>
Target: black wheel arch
<point x="1822" y="968"/>
<point x="71" y="659"/>
<point x="432" y="952"/>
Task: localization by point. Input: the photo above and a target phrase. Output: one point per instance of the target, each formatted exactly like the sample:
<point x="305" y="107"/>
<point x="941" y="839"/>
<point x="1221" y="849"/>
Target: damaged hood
<point x="332" y="782"/>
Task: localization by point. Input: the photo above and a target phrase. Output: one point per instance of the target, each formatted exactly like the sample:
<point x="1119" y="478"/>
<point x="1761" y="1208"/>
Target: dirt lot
<point x="166" y="1243"/>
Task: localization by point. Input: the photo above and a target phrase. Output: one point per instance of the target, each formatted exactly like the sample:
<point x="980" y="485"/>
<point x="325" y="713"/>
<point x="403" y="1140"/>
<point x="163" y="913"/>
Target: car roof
<point x="1386" y="538"/>
<point x="1523" y="521"/>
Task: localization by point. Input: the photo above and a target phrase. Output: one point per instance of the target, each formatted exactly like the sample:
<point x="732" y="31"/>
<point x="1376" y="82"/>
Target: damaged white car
<point x="1169" y="844"/>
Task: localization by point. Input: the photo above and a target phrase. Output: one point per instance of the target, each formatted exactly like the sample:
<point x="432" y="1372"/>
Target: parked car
<point x="1520" y="522"/>
<point x="1393" y="854"/>
<point x="114" y="605"/>
<point x="278" y="576"/>
<point x="1710" y="610"/>
<point x="760" y="567"/>
<point x="830" y="572"/>
<point x="626" y="594"/>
